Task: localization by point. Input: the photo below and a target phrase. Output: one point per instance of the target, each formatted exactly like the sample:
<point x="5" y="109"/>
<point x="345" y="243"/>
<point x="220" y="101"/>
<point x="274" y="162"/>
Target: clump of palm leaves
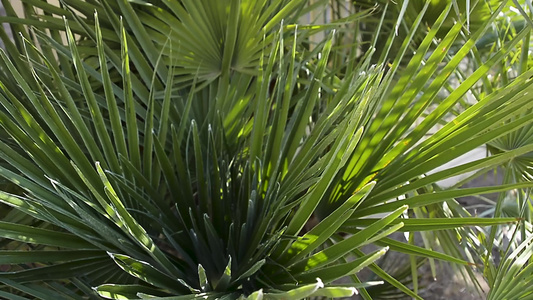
<point x="180" y="149"/>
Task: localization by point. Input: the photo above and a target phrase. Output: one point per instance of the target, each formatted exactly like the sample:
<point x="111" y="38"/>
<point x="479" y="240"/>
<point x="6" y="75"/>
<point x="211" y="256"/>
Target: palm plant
<point x="513" y="273"/>
<point x="508" y="24"/>
<point x="517" y="203"/>
<point x="144" y="159"/>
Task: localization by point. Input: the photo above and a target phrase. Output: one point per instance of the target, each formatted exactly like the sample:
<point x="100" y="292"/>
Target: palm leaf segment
<point x="204" y="40"/>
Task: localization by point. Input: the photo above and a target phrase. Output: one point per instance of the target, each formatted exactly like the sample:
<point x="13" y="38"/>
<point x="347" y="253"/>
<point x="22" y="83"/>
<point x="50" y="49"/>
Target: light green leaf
<point x="147" y="273"/>
<point x="297" y="293"/>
